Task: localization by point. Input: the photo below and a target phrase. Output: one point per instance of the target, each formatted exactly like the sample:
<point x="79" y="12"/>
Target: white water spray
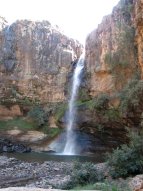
<point x="70" y="136"/>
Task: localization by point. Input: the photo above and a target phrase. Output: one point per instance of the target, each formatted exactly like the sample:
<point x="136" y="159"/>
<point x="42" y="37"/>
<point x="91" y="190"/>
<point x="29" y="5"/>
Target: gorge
<point x="70" y="120"/>
<point x="36" y="66"/>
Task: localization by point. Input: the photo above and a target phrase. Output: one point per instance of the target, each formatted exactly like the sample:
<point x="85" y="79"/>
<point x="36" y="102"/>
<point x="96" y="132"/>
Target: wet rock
<point x="8" y="146"/>
<point x="20" y="148"/>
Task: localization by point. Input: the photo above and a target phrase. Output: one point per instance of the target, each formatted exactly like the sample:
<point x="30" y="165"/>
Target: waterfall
<point x="70" y="146"/>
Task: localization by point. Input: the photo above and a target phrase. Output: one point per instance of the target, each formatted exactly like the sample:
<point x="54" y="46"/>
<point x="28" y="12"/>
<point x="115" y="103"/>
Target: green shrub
<point x="98" y="103"/>
<point x="19" y="123"/>
<point x="60" y="110"/>
<point x="52" y="132"/>
<point x="83" y="94"/>
<point x="38" y="115"/>
<point x="112" y="186"/>
<point x="112" y="114"/>
<point x="128" y="159"/>
<point x="106" y="185"/>
<point x="81" y="175"/>
<point x="102" y="102"/>
<point x="131" y="96"/>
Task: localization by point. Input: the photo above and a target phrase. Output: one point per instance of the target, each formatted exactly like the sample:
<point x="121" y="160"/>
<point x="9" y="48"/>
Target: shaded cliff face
<point x="111" y="53"/>
<point x="35" y="61"/>
<point x="139" y="31"/>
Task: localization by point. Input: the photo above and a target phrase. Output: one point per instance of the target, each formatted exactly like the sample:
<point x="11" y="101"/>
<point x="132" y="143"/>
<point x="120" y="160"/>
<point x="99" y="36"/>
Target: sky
<point x="76" y="18"/>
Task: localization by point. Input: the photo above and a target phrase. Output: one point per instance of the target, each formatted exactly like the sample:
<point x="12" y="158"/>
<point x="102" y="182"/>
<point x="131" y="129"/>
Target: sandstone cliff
<point x="114" y="70"/>
<point x="35" y="61"/>
<point x="111" y="53"/>
<point x="36" y="64"/>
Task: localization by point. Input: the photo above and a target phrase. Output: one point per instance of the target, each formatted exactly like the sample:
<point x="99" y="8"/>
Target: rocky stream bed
<point x="17" y="175"/>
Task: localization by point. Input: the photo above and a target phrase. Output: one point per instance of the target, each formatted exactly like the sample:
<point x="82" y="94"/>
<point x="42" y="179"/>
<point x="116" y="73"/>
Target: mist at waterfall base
<point x="70" y="147"/>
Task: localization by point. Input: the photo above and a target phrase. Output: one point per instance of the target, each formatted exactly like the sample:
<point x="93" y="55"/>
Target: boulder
<point x="136" y="183"/>
<point x="8" y="146"/>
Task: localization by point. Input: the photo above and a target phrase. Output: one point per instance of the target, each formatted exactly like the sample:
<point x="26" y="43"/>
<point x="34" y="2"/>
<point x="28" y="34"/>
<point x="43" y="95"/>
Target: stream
<point x="45" y="156"/>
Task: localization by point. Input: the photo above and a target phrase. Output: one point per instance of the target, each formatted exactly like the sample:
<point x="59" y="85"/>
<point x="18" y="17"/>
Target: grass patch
<point x="20" y="123"/>
<point x="98" y="103"/>
<point x="52" y="132"/>
<point x="60" y="110"/>
<point x="38" y="115"/>
<point x="106" y="186"/>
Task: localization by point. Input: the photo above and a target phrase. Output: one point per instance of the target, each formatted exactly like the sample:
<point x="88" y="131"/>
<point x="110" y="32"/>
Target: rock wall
<point x="35" y="59"/>
<point x="139" y="31"/>
<point x="111" y="53"/>
<point x="114" y="70"/>
<point x="35" y="64"/>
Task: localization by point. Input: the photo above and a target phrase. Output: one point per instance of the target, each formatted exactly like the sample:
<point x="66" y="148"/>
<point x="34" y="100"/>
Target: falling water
<point x="70" y="135"/>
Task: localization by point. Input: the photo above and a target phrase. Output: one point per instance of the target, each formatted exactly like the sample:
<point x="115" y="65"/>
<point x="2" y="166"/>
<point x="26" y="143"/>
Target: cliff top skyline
<point x="75" y="18"/>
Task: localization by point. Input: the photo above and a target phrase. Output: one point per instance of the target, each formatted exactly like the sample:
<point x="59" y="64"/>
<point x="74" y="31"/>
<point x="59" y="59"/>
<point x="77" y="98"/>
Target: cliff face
<point x="35" y="64"/>
<point x="35" y="59"/>
<point x="139" y="31"/>
<point x="111" y="54"/>
<point x="114" y="69"/>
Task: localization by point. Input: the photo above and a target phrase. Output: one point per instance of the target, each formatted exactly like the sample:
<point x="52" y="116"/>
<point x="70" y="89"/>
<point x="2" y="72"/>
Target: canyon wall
<point x="111" y="53"/>
<point x="35" y="67"/>
<point x="114" y="71"/>
<point x="35" y="61"/>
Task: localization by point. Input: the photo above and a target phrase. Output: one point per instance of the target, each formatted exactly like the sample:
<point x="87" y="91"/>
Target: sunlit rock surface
<point x="35" y="59"/>
<point x="111" y="51"/>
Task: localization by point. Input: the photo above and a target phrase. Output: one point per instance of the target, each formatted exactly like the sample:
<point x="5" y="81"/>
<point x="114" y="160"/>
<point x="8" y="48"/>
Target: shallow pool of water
<point x="42" y="157"/>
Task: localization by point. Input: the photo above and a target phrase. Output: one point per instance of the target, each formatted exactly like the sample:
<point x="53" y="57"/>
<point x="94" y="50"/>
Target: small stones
<point x="18" y="173"/>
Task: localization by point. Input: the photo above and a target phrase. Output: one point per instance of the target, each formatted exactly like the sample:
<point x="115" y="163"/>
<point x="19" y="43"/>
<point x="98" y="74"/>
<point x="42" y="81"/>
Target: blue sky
<point x="75" y="17"/>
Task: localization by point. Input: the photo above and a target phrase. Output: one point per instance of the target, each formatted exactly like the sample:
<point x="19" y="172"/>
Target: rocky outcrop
<point x="9" y="147"/>
<point x="114" y="75"/>
<point x="35" y="61"/>
<point x="136" y="183"/>
<point x="8" y="113"/>
<point x="110" y="51"/>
